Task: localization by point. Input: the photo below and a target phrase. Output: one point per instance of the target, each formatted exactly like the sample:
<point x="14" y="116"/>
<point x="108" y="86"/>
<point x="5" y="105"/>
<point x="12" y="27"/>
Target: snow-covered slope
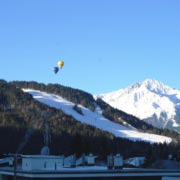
<point x="151" y="101"/>
<point x="95" y="118"/>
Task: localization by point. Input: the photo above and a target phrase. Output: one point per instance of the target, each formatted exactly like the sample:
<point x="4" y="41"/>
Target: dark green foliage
<point x="77" y="109"/>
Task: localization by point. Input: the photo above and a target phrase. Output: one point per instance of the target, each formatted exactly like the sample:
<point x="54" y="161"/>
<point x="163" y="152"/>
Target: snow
<point x="146" y="99"/>
<point x="95" y="118"/>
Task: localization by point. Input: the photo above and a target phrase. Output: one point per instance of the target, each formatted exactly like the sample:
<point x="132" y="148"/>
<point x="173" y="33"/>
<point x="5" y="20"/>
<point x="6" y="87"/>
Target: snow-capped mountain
<point x="151" y="101"/>
<point x="95" y="118"/>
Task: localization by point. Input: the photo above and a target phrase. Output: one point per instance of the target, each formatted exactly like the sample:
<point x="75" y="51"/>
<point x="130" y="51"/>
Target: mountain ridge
<point x="151" y="101"/>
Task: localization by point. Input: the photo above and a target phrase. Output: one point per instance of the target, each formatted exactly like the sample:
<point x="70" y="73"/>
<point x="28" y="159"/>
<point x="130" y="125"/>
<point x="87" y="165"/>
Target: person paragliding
<point x="60" y="64"/>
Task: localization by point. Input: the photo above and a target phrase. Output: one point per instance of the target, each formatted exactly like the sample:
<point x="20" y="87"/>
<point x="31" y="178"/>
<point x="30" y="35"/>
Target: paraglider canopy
<point x="60" y="64"/>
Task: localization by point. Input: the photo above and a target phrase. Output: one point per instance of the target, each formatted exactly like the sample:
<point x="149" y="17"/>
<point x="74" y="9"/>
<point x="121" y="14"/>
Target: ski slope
<point x="95" y="118"/>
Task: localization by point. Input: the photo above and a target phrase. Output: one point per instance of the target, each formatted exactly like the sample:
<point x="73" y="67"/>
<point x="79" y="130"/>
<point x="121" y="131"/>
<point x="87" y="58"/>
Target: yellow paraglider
<point x="60" y="64"/>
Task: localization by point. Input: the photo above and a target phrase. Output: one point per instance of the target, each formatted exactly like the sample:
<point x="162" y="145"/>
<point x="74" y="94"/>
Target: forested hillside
<point x="19" y="110"/>
<point x="22" y="124"/>
<point x="85" y="99"/>
<point x="74" y="95"/>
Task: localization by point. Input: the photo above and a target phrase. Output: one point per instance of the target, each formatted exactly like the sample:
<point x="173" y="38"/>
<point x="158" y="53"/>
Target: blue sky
<point x="105" y="44"/>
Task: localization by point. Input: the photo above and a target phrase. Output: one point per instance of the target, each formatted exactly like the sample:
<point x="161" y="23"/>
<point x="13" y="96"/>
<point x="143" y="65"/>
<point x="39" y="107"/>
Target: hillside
<point x="85" y="99"/>
<point x="20" y="112"/>
<point x="22" y="123"/>
<point x="95" y="118"/>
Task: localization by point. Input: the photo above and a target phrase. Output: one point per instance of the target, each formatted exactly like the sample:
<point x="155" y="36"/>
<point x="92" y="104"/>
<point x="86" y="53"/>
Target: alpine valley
<point x="151" y="101"/>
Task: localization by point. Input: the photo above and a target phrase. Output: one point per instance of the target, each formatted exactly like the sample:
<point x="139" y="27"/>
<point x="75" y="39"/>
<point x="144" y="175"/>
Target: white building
<point x="39" y="162"/>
